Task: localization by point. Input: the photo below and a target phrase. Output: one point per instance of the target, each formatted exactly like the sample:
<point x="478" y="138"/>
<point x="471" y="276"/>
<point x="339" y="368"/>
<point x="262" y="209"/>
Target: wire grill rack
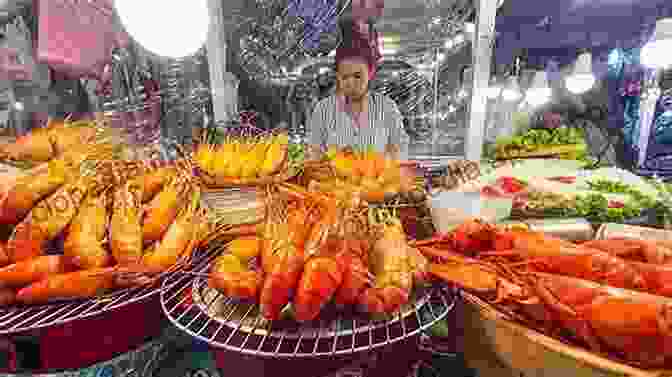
<point x="18" y="319"/>
<point x="223" y="323"/>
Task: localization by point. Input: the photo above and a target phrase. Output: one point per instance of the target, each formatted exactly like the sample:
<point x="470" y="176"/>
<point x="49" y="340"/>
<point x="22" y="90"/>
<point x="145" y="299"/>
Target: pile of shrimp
<point x="315" y="250"/>
<point x="118" y="224"/>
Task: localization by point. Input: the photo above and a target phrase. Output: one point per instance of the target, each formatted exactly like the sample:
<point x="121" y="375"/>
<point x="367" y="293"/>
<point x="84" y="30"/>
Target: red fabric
<point x="362" y="9"/>
<point x="83" y="343"/>
<point x="393" y="361"/>
<point x="364" y="45"/>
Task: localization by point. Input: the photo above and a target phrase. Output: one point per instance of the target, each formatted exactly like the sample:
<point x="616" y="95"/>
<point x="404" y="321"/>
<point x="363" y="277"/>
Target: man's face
<point x="353" y="79"/>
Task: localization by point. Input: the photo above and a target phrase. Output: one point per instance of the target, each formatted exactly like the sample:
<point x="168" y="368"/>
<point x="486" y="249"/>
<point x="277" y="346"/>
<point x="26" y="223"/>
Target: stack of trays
<point x="236" y="206"/>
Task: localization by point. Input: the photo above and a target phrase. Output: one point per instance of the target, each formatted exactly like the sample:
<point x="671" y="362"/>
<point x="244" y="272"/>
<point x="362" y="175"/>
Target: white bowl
<point x="450" y="209"/>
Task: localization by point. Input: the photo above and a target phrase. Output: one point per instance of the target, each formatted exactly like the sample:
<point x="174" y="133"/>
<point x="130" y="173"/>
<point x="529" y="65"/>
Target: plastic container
<point x="450" y="209"/>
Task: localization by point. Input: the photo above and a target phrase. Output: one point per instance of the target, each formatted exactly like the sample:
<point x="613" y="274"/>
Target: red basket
<point x="100" y="338"/>
<point x="79" y="344"/>
<point x="392" y="361"/>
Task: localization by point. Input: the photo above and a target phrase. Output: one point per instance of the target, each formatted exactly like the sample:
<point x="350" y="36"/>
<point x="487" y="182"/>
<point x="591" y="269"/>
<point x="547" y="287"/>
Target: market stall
<point x="156" y="195"/>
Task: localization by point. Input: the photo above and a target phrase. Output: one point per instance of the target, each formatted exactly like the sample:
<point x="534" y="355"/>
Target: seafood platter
<point x="87" y="230"/>
<point x="321" y="275"/>
<point x="328" y="270"/>
<point x="603" y="303"/>
<point x="261" y="254"/>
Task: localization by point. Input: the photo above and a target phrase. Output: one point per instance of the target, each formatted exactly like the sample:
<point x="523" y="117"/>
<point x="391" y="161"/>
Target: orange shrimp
<point x="178" y="242"/>
<point x="69" y="286"/>
<point x="43" y="144"/>
<point x="322" y="228"/>
<point x="355" y="273"/>
<point x="27" y="191"/>
<point x="231" y="276"/>
<point x="632" y="249"/>
<point x="327" y="208"/>
<point x="32" y="270"/>
<point x="125" y="224"/>
<point x="156" y="180"/>
<point x="281" y="278"/>
<point x="86" y="234"/>
<point x="321" y="277"/>
<point x="35" y="146"/>
<point x="46" y="221"/>
<point x="300" y="219"/>
<point x="162" y="210"/>
<point x="391" y="265"/>
<point x="7" y="297"/>
<point x="4" y="256"/>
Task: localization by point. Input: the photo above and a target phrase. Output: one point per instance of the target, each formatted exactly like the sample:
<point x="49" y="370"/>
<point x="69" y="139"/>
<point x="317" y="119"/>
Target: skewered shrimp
<point x="125" y="224"/>
<point x="179" y="241"/>
<point x="47" y="220"/>
<point x="86" y="234"/>
<point x="321" y="277"/>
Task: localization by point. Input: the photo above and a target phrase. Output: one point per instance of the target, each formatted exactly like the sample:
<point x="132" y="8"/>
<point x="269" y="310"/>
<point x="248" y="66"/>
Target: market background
<point x="426" y="76"/>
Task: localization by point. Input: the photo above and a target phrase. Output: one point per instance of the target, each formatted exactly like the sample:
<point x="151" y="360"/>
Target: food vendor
<point x="355" y="116"/>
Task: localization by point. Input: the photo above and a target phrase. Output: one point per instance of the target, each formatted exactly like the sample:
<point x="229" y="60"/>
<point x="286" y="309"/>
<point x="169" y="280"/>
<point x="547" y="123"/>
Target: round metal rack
<point x="18" y="319"/>
<point x="205" y="314"/>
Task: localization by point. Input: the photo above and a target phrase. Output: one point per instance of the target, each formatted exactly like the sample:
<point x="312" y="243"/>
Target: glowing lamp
<point x="171" y="29"/>
<point x="582" y="79"/>
<point x="656" y="53"/>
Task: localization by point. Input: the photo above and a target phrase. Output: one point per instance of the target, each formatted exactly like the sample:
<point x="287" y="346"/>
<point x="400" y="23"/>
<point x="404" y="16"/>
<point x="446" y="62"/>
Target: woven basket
<point x="530" y="353"/>
<point x="236" y="207"/>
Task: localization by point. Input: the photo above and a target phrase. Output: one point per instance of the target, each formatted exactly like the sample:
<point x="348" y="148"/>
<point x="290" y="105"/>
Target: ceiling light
<point x="539" y="92"/>
<point x="512" y="90"/>
<point x="581" y="79"/>
<point x="440" y="56"/>
<point x="493" y="92"/>
<point x="656" y="53"/>
<point x="388" y="51"/>
<point x="180" y="30"/>
<point x="469" y="27"/>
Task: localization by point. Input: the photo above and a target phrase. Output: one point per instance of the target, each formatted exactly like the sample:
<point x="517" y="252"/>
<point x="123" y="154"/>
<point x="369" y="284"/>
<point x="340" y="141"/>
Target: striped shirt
<point x="331" y="126"/>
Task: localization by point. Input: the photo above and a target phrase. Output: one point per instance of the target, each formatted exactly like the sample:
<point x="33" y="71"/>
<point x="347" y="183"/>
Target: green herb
<point x="614" y="187"/>
<point x="545" y="137"/>
<point x="595" y="206"/>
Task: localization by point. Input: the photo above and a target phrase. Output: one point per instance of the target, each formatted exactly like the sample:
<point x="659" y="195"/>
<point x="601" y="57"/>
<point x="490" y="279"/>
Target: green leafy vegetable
<point x="595" y="207"/>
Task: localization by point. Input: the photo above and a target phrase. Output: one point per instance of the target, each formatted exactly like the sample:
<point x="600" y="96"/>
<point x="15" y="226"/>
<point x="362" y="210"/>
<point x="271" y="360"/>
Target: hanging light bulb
<point x="493" y="91"/>
<point x="179" y="28"/>
<point x="539" y="92"/>
<point x="511" y="92"/>
<point x="656" y="53"/>
<point x="582" y="79"/>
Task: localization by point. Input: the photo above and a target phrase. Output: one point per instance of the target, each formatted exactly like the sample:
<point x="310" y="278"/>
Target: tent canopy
<point x="557" y="28"/>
